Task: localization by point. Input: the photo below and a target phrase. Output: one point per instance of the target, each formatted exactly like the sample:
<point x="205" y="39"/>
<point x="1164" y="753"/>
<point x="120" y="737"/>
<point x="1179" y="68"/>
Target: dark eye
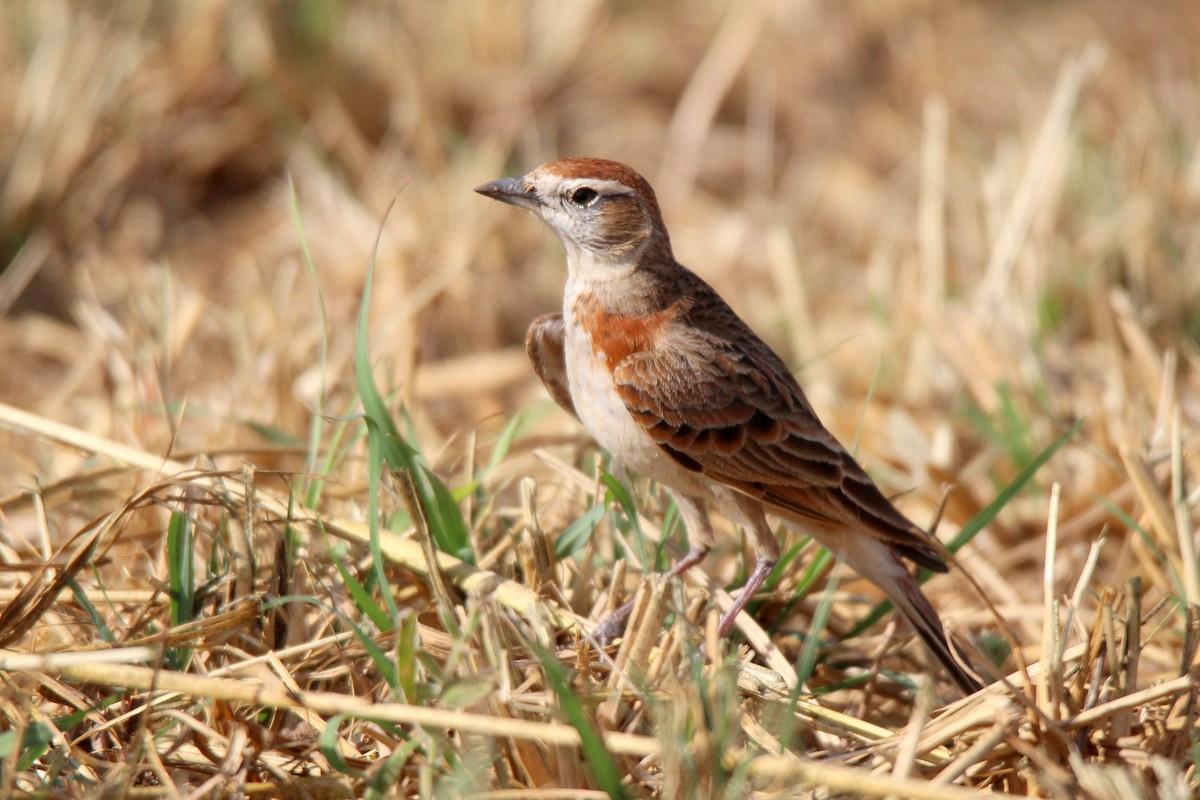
<point x="583" y="196"/>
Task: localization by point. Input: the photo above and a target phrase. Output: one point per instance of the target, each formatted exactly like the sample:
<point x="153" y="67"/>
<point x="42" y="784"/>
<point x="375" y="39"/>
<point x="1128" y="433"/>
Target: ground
<point x="969" y="227"/>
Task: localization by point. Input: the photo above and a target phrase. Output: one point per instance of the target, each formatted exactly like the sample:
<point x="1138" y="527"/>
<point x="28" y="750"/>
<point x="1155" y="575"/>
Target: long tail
<point x="908" y="598"/>
<point x="878" y="562"/>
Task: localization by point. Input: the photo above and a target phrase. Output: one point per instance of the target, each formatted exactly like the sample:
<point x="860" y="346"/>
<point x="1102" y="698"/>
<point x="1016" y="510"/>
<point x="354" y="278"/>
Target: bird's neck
<point x="621" y="289"/>
<point x="639" y="281"/>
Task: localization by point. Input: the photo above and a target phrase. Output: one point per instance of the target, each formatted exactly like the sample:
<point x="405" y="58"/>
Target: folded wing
<point x="544" y="346"/>
<point x="722" y="403"/>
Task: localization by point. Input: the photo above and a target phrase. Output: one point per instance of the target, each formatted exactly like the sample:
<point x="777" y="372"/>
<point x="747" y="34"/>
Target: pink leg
<point x="700" y="534"/>
<point x="614" y="624"/>
<point x="762" y="568"/>
<point x="749" y="513"/>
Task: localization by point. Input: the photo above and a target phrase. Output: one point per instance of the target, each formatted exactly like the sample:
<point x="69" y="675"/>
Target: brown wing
<point x="718" y="400"/>
<point x="544" y="345"/>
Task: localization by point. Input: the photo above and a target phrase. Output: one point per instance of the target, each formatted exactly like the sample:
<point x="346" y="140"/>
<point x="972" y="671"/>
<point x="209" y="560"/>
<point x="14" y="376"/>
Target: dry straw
<point x="968" y="226"/>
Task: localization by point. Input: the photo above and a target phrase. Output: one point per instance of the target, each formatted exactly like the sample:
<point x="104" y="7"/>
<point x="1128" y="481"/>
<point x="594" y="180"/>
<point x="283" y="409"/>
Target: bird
<point x="669" y="380"/>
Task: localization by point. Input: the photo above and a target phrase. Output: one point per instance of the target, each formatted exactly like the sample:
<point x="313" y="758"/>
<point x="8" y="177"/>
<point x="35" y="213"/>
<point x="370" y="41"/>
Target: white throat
<point x="587" y="267"/>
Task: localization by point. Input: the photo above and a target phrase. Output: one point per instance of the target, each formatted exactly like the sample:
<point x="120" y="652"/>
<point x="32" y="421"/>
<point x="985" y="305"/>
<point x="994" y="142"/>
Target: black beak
<point x="510" y="190"/>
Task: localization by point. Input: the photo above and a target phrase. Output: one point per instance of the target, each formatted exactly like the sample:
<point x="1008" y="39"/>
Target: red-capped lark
<point x="677" y="387"/>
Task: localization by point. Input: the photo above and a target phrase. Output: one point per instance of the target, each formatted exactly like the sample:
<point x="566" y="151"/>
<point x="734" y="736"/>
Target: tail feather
<point x="908" y="598"/>
<point x="878" y="560"/>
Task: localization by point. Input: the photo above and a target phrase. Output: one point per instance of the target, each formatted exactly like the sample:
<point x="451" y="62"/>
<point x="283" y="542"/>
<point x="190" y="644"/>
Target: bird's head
<point x="602" y="211"/>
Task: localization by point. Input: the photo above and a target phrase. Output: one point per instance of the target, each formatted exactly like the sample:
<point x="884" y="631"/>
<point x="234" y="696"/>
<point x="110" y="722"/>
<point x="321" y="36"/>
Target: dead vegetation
<point x="972" y="228"/>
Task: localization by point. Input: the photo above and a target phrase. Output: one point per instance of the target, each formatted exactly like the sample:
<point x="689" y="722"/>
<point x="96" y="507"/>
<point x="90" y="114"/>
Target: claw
<point x="613" y="625"/>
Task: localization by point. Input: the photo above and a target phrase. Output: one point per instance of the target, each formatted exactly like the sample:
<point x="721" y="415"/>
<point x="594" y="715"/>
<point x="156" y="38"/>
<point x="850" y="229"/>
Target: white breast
<point x="603" y="412"/>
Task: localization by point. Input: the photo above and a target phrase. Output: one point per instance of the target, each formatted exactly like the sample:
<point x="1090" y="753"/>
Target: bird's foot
<point x="613" y="625"/>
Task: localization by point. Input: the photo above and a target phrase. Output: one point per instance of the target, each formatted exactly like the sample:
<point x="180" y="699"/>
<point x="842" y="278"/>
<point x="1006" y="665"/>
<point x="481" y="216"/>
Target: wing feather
<point x="717" y="400"/>
<point x="544" y="346"/>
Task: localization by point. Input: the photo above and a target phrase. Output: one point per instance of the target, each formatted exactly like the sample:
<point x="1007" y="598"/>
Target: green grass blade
<point x="10" y="744"/>
<point x="272" y="434"/>
<point x="36" y="742"/>
<point x="812" y="643"/>
<point x="329" y="749"/>
<point x="362" y="598"/>
<point x="182" y="579"/>
<point x="979" y="521"/>
<point x="1016" y="430"/>
<point x="807" y="659"/>
<point x="406" y="658"/>
<point x="385" y="665"/>
<point x="68" y="722"/>
<point x="316" y="424"/>
<point x="782" y="567"/>
<point x="821" y="560"/>
<point x="617" y="492"/>
<point x="378" y="565"/>
<point x="386" y="775"/>
<point x="1152" y="546"/>
<point x="862" y="416"/>
<point x="576" y="535"/>
<point x="381" y="430"/>
<point x="446" y="524"/>
<point x="985" y="517"/>
<point x="595" y="753"/>
<point x="504" y="442"/>
<point x="97" y="621"/>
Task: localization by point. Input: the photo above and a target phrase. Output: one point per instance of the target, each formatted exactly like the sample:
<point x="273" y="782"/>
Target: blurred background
<point x="966" y="225"/>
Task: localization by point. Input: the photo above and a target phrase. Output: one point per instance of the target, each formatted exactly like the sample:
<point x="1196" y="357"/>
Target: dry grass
<point x="982" y="217"/>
